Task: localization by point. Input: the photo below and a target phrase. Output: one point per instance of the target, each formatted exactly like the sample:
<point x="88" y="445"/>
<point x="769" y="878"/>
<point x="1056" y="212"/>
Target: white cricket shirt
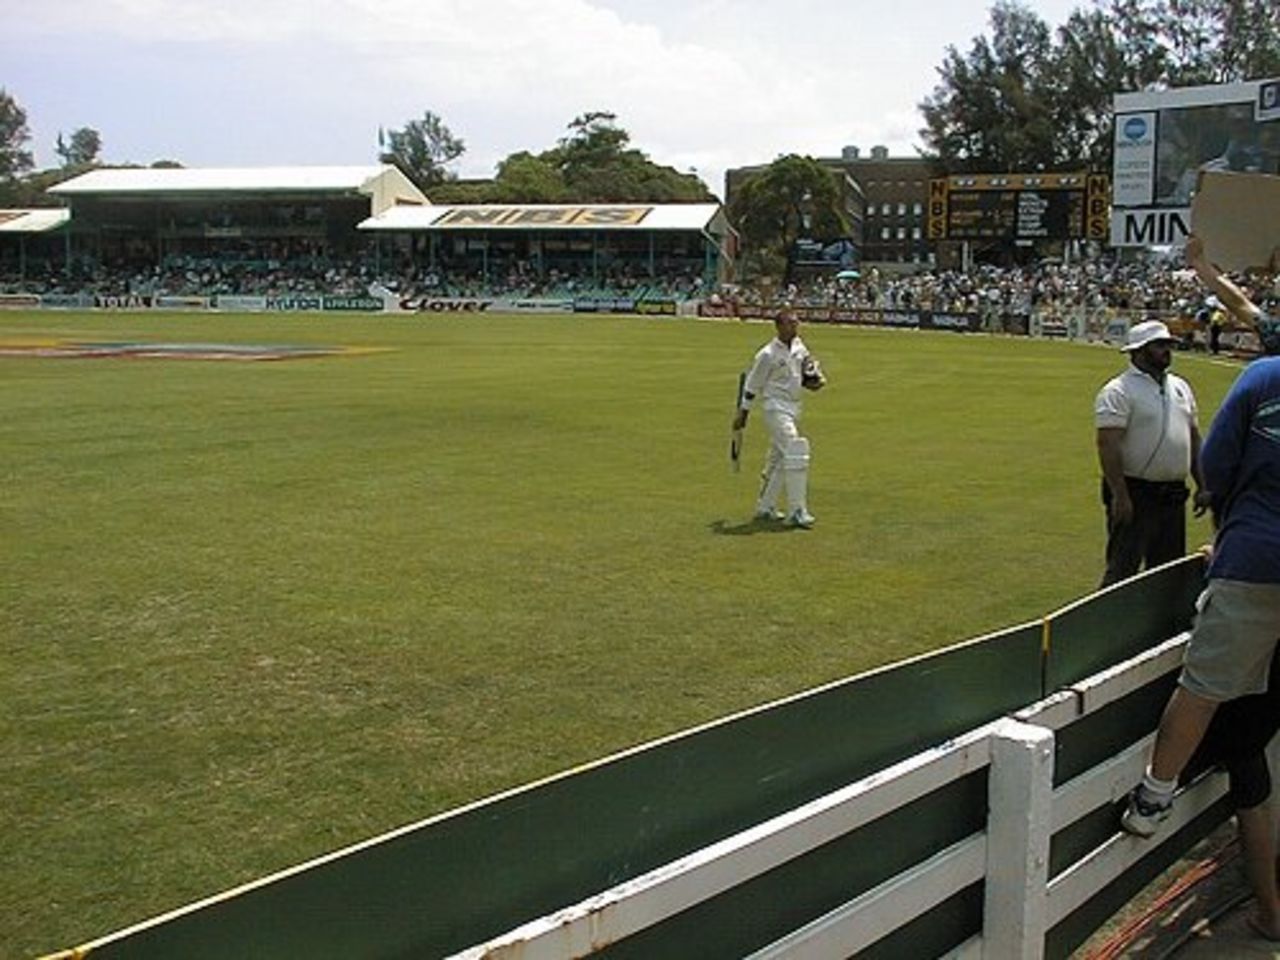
<point x="775" y="376"/>
<point x="1156" y="419"/>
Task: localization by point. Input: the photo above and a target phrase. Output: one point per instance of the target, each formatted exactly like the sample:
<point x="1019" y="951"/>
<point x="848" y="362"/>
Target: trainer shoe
<point x="773" y="513"/>
<point x="802" y="519"/>
<point x="1144" y="813"/>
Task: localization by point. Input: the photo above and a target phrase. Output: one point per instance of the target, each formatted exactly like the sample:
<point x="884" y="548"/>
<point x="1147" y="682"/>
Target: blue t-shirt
<point x="1241" y="464"/>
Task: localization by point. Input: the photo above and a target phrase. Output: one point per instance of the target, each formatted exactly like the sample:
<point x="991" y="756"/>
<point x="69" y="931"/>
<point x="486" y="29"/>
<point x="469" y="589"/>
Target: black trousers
<point x="1237" y="739"/>
<point x="1156" y="534"/>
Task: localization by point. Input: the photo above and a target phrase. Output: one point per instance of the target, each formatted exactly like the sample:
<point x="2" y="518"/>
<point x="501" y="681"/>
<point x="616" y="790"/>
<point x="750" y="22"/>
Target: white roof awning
<point x="34" y="221"/>
<point x="567" y="216"/>
<point x="169" y="180"/>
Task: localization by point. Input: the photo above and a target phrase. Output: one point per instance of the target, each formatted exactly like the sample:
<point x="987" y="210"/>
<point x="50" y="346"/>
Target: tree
<point x="793" y="197"/>
<point x="524" y="178"/>
<point x="597" y="165"/>
<point x="81" y="150"/>
<point x="1095" y="58"/>
<point x="993" y="109"/>
<point x="14" y="160"/>
<point x="422" y="150"/>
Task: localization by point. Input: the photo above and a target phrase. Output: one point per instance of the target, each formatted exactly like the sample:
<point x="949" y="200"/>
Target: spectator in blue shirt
<point x="1238" y="615"/>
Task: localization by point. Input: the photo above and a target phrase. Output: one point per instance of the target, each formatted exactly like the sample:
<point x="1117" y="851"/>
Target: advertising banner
<point x="126" y="301"/>
<point x="1165" y="140"/>
<point x="532" y="306"/>
<point x="66" y="301"/>
<point x="445" y="305"/>
<point x="182" y="303"/>
<point x="226" y="301"/>
<point x="1135" y="159"/>
<point x="359" y="303"/>
<point x="960" y="322"/>
<point x="295" y="303"/>
<point x="663" y="308"/>
<point x="1150" y="226"/>
<point x="604" y="305"/>
<point x="19" y="301"/>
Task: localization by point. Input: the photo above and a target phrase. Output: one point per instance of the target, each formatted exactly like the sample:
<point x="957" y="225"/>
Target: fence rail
<point x="1021" y="904"/>
<point x="960" y="804"/>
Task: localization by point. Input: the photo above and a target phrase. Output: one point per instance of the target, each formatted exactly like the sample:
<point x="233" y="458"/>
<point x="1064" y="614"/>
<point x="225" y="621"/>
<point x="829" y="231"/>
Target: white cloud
<point x="699" y="83"/>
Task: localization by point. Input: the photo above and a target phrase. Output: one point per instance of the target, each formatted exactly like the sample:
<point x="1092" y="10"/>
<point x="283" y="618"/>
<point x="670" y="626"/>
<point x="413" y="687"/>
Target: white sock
<point x="1159" y="789"/>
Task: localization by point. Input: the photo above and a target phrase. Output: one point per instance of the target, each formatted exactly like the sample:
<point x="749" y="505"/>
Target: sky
<point x="700" y="85"/>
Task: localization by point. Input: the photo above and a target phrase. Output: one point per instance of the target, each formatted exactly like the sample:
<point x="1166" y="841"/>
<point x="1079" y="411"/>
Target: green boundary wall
<point x="461" y="878"/>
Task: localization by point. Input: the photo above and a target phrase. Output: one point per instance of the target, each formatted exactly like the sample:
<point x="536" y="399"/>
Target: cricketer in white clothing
<point x="776" y="377"/>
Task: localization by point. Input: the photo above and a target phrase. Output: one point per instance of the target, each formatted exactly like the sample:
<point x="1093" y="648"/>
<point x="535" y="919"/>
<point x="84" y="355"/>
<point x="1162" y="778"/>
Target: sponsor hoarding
<point x="1165" y="139"/>
<point x="19" y="301"/>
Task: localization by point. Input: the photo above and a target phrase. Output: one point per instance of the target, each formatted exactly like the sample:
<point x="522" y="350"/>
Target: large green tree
<point x="992" y="109"/>
<point x="525" y="178"/>
<point x="792" y="198"/>
<point x="15" y="160"/>
<point x="1095" y="57"/>
<point x="81" y="149"/>
<point x="422" y="150"/>
<point x="597" y="165"/>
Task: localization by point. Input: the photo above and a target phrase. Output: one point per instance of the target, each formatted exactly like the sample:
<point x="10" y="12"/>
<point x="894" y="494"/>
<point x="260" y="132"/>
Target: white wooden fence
<point x="1021" y="902"/>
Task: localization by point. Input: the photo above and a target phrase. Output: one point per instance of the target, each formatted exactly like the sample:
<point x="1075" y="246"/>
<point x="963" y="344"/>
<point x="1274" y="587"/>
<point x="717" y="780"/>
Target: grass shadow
<point x="749" y="528"/>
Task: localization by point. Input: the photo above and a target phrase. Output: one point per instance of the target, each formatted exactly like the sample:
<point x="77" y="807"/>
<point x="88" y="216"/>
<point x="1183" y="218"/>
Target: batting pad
<point x="796" y="455"/>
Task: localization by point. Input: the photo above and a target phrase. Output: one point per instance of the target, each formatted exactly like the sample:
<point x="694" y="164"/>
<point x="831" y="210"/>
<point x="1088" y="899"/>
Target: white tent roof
<point x="33" y="221"/>
<point x="566" y="216"/>
<point x="214" y="179"/>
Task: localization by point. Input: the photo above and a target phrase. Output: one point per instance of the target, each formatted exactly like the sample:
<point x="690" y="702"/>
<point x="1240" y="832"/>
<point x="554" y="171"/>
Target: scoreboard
<point x="1027" y="207"/>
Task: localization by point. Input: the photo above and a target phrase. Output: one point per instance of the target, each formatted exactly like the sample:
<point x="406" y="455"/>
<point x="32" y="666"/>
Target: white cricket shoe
<point x="770" y="513"/>
<point x="1144" y="813"/>
<point x="802" y="519"/>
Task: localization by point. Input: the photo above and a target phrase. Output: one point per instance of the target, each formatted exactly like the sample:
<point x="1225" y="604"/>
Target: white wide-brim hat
<point x="1149" y="331"/>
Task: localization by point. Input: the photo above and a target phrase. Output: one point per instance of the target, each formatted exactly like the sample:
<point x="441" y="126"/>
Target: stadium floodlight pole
<point x="735" y="441"/>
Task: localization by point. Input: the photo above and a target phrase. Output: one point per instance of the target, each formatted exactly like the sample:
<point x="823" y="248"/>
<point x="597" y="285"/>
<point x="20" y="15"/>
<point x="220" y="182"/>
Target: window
<point x="915" y="233"/>
<point x="886" y="208"/>
<point x="884" y="233"/>
<point x="902" y="233"/>
<point x="902" y="208"/>
<point x="917" y="209"/>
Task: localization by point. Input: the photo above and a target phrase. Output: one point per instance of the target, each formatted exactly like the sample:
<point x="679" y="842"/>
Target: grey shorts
<point x="1235" y="633"/>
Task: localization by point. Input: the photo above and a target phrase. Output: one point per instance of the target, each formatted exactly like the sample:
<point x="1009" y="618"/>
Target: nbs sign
<point x="1164" y="140"/>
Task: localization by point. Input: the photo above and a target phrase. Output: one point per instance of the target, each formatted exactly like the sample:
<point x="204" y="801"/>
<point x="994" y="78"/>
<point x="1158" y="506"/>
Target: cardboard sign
<point x="1237" y="215"/>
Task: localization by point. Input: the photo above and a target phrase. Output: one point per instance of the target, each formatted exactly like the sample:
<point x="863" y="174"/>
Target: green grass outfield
<point x="253" y="612"/>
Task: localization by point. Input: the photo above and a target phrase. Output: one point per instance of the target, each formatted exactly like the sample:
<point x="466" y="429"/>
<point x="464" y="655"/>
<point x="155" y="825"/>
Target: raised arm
<point x="1232" y="297"/>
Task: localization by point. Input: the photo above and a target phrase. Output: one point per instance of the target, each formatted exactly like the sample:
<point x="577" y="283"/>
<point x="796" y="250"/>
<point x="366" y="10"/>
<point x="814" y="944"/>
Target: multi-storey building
<point x="885" y="200"/>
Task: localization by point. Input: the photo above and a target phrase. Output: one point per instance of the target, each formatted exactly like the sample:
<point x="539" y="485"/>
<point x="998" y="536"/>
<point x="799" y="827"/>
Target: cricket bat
<point x="735" y="441"/>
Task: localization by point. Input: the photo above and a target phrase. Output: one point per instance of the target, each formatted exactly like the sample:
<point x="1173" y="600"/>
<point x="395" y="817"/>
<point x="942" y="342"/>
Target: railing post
<point x="1019" y="825"/>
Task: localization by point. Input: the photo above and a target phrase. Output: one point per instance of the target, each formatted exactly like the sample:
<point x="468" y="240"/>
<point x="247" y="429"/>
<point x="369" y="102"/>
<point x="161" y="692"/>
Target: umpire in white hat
<point x="1148" y="444"/>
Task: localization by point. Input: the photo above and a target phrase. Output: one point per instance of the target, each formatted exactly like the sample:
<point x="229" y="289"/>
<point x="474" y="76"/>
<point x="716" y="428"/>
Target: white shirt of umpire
<point x="1156" y="420"/>
<point x="775" y="377"/>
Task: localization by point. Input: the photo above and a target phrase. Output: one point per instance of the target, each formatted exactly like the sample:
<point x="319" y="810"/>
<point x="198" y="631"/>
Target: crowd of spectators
<point x="1136" y="286"/>
<point x="204" y="277"/>
<point x="1047" y="289"/>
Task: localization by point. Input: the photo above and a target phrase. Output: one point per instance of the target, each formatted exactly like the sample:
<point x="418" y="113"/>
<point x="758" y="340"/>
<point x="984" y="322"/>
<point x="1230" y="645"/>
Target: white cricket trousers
<point x="786" y="465"/>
